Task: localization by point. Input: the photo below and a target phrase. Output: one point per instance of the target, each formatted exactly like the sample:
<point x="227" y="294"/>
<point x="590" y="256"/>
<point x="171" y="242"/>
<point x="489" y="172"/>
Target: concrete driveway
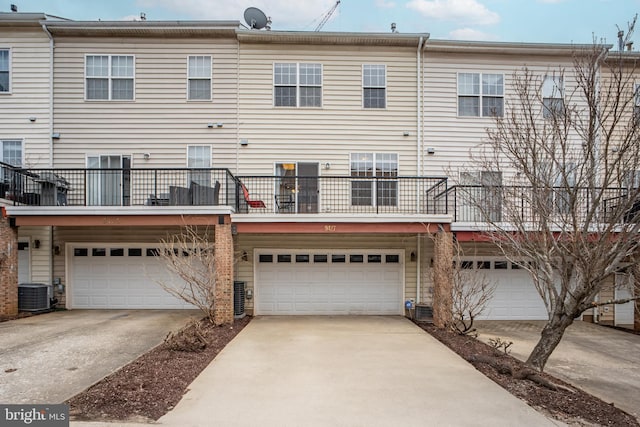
<point x="51" y="357"/>
<point x="344" y="371"/>
<point x="599" y="360"/>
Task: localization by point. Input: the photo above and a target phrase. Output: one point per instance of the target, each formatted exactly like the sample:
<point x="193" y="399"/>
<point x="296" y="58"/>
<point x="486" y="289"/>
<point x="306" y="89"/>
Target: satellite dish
<point x="255" y="18"/>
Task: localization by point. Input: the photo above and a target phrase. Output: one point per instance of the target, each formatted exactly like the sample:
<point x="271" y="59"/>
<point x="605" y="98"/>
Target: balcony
<point x="117" y="187"/>
<point x="477" y="204"/>
<point x="254" y="195"/>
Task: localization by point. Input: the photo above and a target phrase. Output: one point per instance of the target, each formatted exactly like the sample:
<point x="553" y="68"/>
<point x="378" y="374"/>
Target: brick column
<point x="8" y="268"/>
<point x="442" y="278"/>
<point x="223" y="247"/>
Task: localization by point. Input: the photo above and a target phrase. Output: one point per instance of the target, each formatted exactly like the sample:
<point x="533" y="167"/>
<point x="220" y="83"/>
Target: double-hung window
<point x="109" y="77"/>
<point x="199" y="79"/>
<point x="552" y="96"/>
<point x="199" y="158"/>
<point x="381" y="186"/>
<point x="636" y="103"/>
<point x="374" y="86"/>
<point x="5" y="71"/>
<point x="10" y="153"/>
<point x="297" y="85"/>
<point x="480" y="95"/>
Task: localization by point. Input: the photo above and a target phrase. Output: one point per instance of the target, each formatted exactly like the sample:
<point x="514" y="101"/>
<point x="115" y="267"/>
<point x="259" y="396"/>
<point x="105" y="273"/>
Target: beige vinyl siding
<point x="29" y="97"/>
<point x="341" y="126"/>
<point x="453" y="137"/>
<point x="248" y="242"/>
<point x="160" y="121"/>
<point x="40" y="257"/>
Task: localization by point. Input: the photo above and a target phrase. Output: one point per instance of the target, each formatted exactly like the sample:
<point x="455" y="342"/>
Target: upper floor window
<point x="636" y="103"/>
<point x="374" y="86"/>
<point x="199" y="78"/>
<point x="297" y="85"/>
<point x="480" y="95"/>
<point x="109" y="77"/>
<point x="5" y="69"/>
<point x="374" y="192"/>
<point x="552" y="96"/>
<point x="11" y="152"/>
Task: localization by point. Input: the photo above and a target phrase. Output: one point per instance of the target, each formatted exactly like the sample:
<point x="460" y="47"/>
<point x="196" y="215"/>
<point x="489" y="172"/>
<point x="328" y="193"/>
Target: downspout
<point x="419" y="271"/>
<point x="419" y="144"/>
<point x="51" y="50"/>
<point x="237" y="107"/>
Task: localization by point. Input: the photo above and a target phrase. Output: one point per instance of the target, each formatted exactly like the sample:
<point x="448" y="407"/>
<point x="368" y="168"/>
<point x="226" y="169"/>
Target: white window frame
<point x="386" y="92"/>
<point x="110" y="78"/>
<point x="371" y="178"/>
<point x="8" y="92"/>
<point x="199" y="177"/>
<point x="481" y="95"/>
<point x="636" y="103"/>
<point x="18" y="140"/>
<point x="556" y="93"/>
<point x="209" y="78"/>
<point x="298" y="85"/>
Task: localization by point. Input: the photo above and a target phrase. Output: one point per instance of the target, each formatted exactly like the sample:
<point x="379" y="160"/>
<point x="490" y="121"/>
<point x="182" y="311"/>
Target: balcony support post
<point x="443" y="278"/>
<point x="223" y="247"/>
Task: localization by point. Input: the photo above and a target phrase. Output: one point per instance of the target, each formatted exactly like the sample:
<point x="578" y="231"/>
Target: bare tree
<point x="471" y="292"/>
<point x="565" y="199"/>
<point x="189" y="256"/>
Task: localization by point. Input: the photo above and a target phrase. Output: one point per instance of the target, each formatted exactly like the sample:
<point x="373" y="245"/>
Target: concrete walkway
<point x="51" y="357"/>
<point x="600" y="360"/>
<point x="343" y="371"/>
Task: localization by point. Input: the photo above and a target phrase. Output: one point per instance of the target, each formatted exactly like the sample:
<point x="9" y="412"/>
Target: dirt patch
<point x="20" y="315"/>
<point x="153" y="384"/>
<point x="567" y="404"/>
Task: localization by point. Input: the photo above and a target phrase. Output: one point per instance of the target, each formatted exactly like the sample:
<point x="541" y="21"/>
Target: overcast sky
<point x="551" y="21"/>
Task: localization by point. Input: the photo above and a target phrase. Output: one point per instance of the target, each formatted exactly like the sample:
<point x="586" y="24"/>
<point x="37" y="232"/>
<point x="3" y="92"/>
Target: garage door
<point x="329" y="282"/>
<point x="515" y="296"/>
<point x="624" y="313"/>
<point x="111" y="276"/>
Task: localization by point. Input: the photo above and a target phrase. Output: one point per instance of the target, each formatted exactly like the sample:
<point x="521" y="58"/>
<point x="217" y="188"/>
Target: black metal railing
<point x="118" y="187"/>
<point x="247" y="194"/>
<point x="340" y="194"/>
<point x="477" y="203"/>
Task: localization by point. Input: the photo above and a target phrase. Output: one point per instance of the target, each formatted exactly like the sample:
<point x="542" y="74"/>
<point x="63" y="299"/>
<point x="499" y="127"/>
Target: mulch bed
<point x="153" y="384"/>
<point x="568" y="404"/>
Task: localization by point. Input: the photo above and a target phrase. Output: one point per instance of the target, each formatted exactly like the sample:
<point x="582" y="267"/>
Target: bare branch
<point x="189" y="256"/>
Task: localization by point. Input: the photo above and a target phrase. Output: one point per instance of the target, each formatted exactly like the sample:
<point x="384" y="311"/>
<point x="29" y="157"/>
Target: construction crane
<point x="327" y="15"/>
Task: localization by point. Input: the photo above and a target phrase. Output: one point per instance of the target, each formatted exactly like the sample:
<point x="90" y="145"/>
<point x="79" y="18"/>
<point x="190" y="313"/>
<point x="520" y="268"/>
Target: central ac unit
<point x="33" y="296"/>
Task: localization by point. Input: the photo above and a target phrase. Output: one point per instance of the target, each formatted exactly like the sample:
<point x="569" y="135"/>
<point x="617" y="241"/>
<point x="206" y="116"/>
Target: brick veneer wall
<point x="223" y="313"/>
<point x="443" y="279"/>
<point x="8" y="268"/>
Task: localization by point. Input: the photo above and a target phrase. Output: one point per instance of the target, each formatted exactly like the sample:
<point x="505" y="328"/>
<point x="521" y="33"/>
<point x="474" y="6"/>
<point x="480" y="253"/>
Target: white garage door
<point x="329" y="282"/>
<point x="515" y="296"/>
<point x="624" y="313"/>
<point x="111" y="276"/>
